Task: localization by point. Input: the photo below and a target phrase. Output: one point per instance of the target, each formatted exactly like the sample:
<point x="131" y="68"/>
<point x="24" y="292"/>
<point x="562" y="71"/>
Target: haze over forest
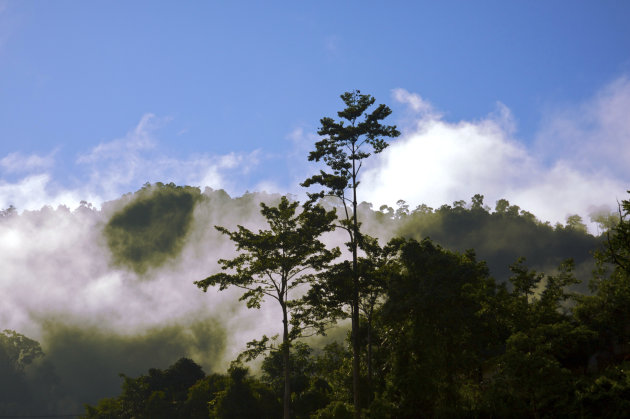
<point x="109" y="291"/>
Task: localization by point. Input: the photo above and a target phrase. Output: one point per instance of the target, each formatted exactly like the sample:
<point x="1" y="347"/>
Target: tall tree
<point x="272" y="263"/>
<point x="345" y="145"/>
<point x="607" y="310"/>
<point x="331" y="297"/>
<point x="618" y="240"/>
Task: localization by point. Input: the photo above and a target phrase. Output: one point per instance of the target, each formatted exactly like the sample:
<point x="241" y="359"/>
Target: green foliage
<point x="435" y="327"/>
<point x="202" y="395"/>
<point x="617" y="250"/>
<point x="274" y="263"/>
<point x="333" y="365"/>
<point x="158" y="394"/>
<point x="605" y="221"/>
<point x="335" y="410"/>
<point x="331" y="296"/>
<point x="534" y="376"/>
<point x="341" y="146"/>
<point x="17" y="350"/>
<point x="244" y="397"/>
<point x="310" y="390"/>
<point x="107" y="408"/>
<point x="606" y="395"/>
<point x="608" y="309"/>
<point x="575" y="222"/>
<point x="151" y="229"/>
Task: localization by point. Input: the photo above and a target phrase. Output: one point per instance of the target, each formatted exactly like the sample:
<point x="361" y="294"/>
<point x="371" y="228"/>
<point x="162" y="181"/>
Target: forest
<point x="458" y="311"/>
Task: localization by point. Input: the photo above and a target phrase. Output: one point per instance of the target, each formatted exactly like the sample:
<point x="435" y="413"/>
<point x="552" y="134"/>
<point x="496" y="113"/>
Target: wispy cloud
<point x="19" y="163"/>
<point x="138" y="139"/>
<point x="437" y="162"/>
<point x="122" y="165"/>
<point x="593" y="135"/>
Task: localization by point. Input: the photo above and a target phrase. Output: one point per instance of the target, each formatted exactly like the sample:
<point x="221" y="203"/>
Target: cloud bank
<point x="95" y="318"/>
<point x="60" y="280"/>
<point x="577" y="164"/>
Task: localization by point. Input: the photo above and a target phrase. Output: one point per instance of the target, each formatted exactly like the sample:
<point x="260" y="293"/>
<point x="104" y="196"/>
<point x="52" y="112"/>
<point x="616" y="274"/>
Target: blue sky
<point x="97" y="98"/>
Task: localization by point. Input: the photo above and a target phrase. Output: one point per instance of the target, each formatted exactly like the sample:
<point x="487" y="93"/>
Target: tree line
<point x="438" y="337"/>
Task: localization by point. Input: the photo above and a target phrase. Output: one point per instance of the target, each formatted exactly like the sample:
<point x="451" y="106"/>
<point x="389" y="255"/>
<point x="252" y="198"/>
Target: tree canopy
<point x="273" y="264"/>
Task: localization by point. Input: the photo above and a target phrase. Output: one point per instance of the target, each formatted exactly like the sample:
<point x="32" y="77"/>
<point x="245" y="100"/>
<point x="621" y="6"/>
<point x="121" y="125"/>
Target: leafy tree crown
<point x="347" y="142"/>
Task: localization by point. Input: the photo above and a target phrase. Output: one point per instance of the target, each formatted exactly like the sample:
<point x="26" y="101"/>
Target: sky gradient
<point x="520" y="100"/>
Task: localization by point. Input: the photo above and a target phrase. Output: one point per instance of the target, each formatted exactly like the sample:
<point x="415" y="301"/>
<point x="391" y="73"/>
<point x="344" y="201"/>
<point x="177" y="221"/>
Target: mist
<point x="110" y="290"/>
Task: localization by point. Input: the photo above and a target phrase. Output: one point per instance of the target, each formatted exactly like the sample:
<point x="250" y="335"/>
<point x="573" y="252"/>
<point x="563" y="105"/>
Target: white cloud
<point x="437" y="162"/>
<point x="18" y="163"/>
<point x="214" y="170"/>
<point x="413" y="100"/>
<point x="35" y="192"/>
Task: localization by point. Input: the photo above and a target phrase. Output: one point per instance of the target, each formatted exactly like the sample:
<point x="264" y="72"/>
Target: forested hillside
<point x="502" y="235"/>
<point x="448" y="334"/>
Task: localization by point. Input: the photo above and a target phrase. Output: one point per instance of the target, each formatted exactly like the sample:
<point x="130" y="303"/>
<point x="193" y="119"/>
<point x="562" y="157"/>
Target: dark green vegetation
<point x="16" y="353"/>
<point x="501" y="236"/>
<point x="446" y="340"/>
<point x="273" y="264"/>
<point x="80" y="365"/>
<point x="152" y="227"/>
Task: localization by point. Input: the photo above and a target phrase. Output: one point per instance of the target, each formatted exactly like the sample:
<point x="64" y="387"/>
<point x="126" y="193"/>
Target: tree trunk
<point x="355" y="299"/>
<point x="369" y="355"/>
<point x="285" y="361"/>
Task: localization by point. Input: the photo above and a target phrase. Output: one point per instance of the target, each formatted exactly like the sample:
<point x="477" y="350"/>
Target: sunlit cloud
<point x="36" y="191"/>
<point x="438" y="162"/>
<point x="415" y="103"/>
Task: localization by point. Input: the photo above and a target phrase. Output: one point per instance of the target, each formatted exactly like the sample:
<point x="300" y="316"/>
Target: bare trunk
<point x="355" y="300"/>
<point x="285" y="361"/>
<point x="369" y="355"/>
